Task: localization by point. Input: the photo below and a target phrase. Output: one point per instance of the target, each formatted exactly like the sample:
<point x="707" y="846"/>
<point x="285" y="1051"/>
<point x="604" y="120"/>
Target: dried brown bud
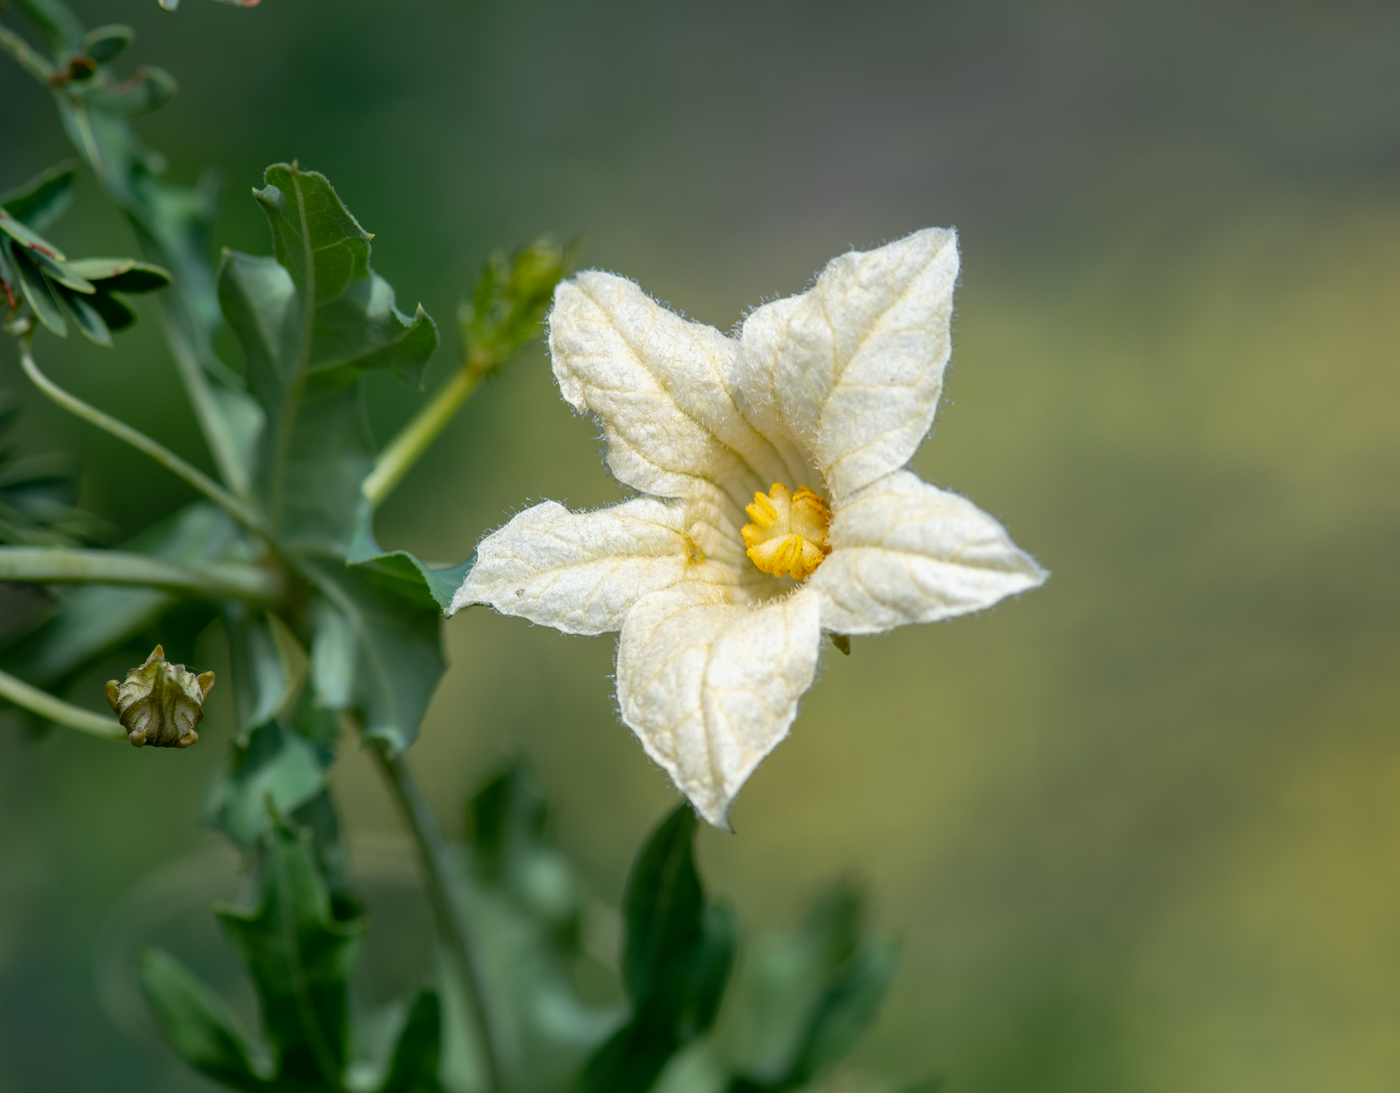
<point x="160" y="703"/>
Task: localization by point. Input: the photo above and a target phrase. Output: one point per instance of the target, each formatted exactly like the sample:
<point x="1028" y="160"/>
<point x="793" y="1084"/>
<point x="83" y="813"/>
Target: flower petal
<point x="656" y="381"/>
<point x="904" y="551"/>
<point x="710" y="688"/>
<point x="853" y="367"/>
<point x="578" y="571"/>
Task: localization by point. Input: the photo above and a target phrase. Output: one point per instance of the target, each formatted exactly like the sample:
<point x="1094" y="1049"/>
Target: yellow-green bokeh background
<point x="1139" y="830"/>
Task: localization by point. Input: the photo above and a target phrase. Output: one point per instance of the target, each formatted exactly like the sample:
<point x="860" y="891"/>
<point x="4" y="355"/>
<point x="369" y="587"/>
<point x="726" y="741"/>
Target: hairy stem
<point x="240" y="511"/>
<point x="56" y="710"/>
<point x="60" y="565"/>
<point x="28" y="59"/>
<point x="445" y="897"/>
<point x="413" y="439"/>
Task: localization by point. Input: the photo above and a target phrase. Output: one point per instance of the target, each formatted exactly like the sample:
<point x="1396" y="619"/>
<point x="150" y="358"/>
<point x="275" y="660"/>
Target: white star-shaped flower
<point x="776" y="504"/>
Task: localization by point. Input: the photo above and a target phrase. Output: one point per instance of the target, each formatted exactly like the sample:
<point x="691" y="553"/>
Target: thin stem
<point x="240" y="511"/>
<point x="201" y="395"/>
<point x="444" y="896"/>
<point x="24" y="53"/>
<point x="56" y="710"/>
<point x="413" y="439"/>
<point x="60" y="565"/>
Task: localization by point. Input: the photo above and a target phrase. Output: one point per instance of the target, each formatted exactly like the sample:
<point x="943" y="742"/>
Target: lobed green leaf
<point x="311" y="321"/>
<point x="377" y="648"/>
<point x="299" y="945"/>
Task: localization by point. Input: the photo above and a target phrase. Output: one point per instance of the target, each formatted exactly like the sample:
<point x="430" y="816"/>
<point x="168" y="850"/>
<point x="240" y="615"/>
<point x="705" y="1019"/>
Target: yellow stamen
<point x="788" y="535"/>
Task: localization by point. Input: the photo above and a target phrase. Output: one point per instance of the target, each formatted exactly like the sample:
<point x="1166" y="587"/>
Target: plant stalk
<point x="55" y="709"/>
<point x="445" y="897"/>
<point x="405" y="449"/>
<point x="201" y="396"/>
<point x="29" y="60"/>
<point x="240" y="511"/>
<point x="61" y="565"/>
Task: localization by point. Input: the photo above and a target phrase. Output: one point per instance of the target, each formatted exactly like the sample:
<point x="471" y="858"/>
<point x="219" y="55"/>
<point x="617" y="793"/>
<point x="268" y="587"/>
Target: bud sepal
<point x="160" y="703"/>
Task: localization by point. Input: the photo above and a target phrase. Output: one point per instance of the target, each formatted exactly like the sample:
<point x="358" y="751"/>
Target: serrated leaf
<point x="676" y="961"/>
<point x="299" y="945"/>
<point x="197" y="1023"/>
<point x="364" y="552"/>
<point x="377" y="648"/>
<point x="310" y="322"/>
<point x="43" y="199"/>
<point x="344" y="315"/>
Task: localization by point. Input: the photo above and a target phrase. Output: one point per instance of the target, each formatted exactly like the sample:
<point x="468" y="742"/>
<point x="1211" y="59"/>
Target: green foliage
<point x="44" y="198"/>
<point x="86" y="293"/>
<point x="510" y="300"/>
<point x="173" y="223"/>
<point x="299" y="943"/>
<point x="675" y="964"/>
<point x="356" y="640"/>
<point x="38" y="496"/>
<point x="808" y="995"/>
<point x="377" y="648"/>
<point x="92" y="620"/>
<point x="310" y="322"/>
<point x="798" y="1004"/>
<point x="526" y="905"/>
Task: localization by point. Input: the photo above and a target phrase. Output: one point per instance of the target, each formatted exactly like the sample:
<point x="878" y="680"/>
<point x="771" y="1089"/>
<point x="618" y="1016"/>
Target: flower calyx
<point x="160" y="703"/>
<point x="788" y="536"/>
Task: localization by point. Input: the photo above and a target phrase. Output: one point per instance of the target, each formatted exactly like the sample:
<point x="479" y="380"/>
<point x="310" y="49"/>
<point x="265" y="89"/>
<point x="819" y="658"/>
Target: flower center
<point x="788" y="535"/>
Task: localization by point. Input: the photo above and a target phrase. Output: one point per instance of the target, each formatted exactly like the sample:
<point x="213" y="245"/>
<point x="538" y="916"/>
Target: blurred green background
<point x="1139" y="831"/>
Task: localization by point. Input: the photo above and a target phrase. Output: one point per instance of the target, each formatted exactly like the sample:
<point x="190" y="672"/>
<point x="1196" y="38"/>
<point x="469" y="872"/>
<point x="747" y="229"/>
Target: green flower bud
<point x="160" y="703"/>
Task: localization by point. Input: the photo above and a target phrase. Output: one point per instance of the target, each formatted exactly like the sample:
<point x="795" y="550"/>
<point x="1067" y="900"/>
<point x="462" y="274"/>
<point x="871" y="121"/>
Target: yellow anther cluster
<point x="788" y="535"/>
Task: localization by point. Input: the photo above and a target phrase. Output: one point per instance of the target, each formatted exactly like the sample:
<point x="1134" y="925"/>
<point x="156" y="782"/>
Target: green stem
<point x="56" y="710"/>
<point x="243" y="513"/>
<point x="59" y="565"/>
<point x="201" y="396"/>
<point x="24" y="53"/>
<point x="445" y="897"/>
<point x="413" y="439"/>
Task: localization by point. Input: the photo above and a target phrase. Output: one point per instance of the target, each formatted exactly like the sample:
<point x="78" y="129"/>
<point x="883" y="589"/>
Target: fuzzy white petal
<point x="710" y="688"/>
<point x="578" y="572"/>
<point x="852" y="368"/>
<point x="904" y="551"/>
<point x="657" y="384"/>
